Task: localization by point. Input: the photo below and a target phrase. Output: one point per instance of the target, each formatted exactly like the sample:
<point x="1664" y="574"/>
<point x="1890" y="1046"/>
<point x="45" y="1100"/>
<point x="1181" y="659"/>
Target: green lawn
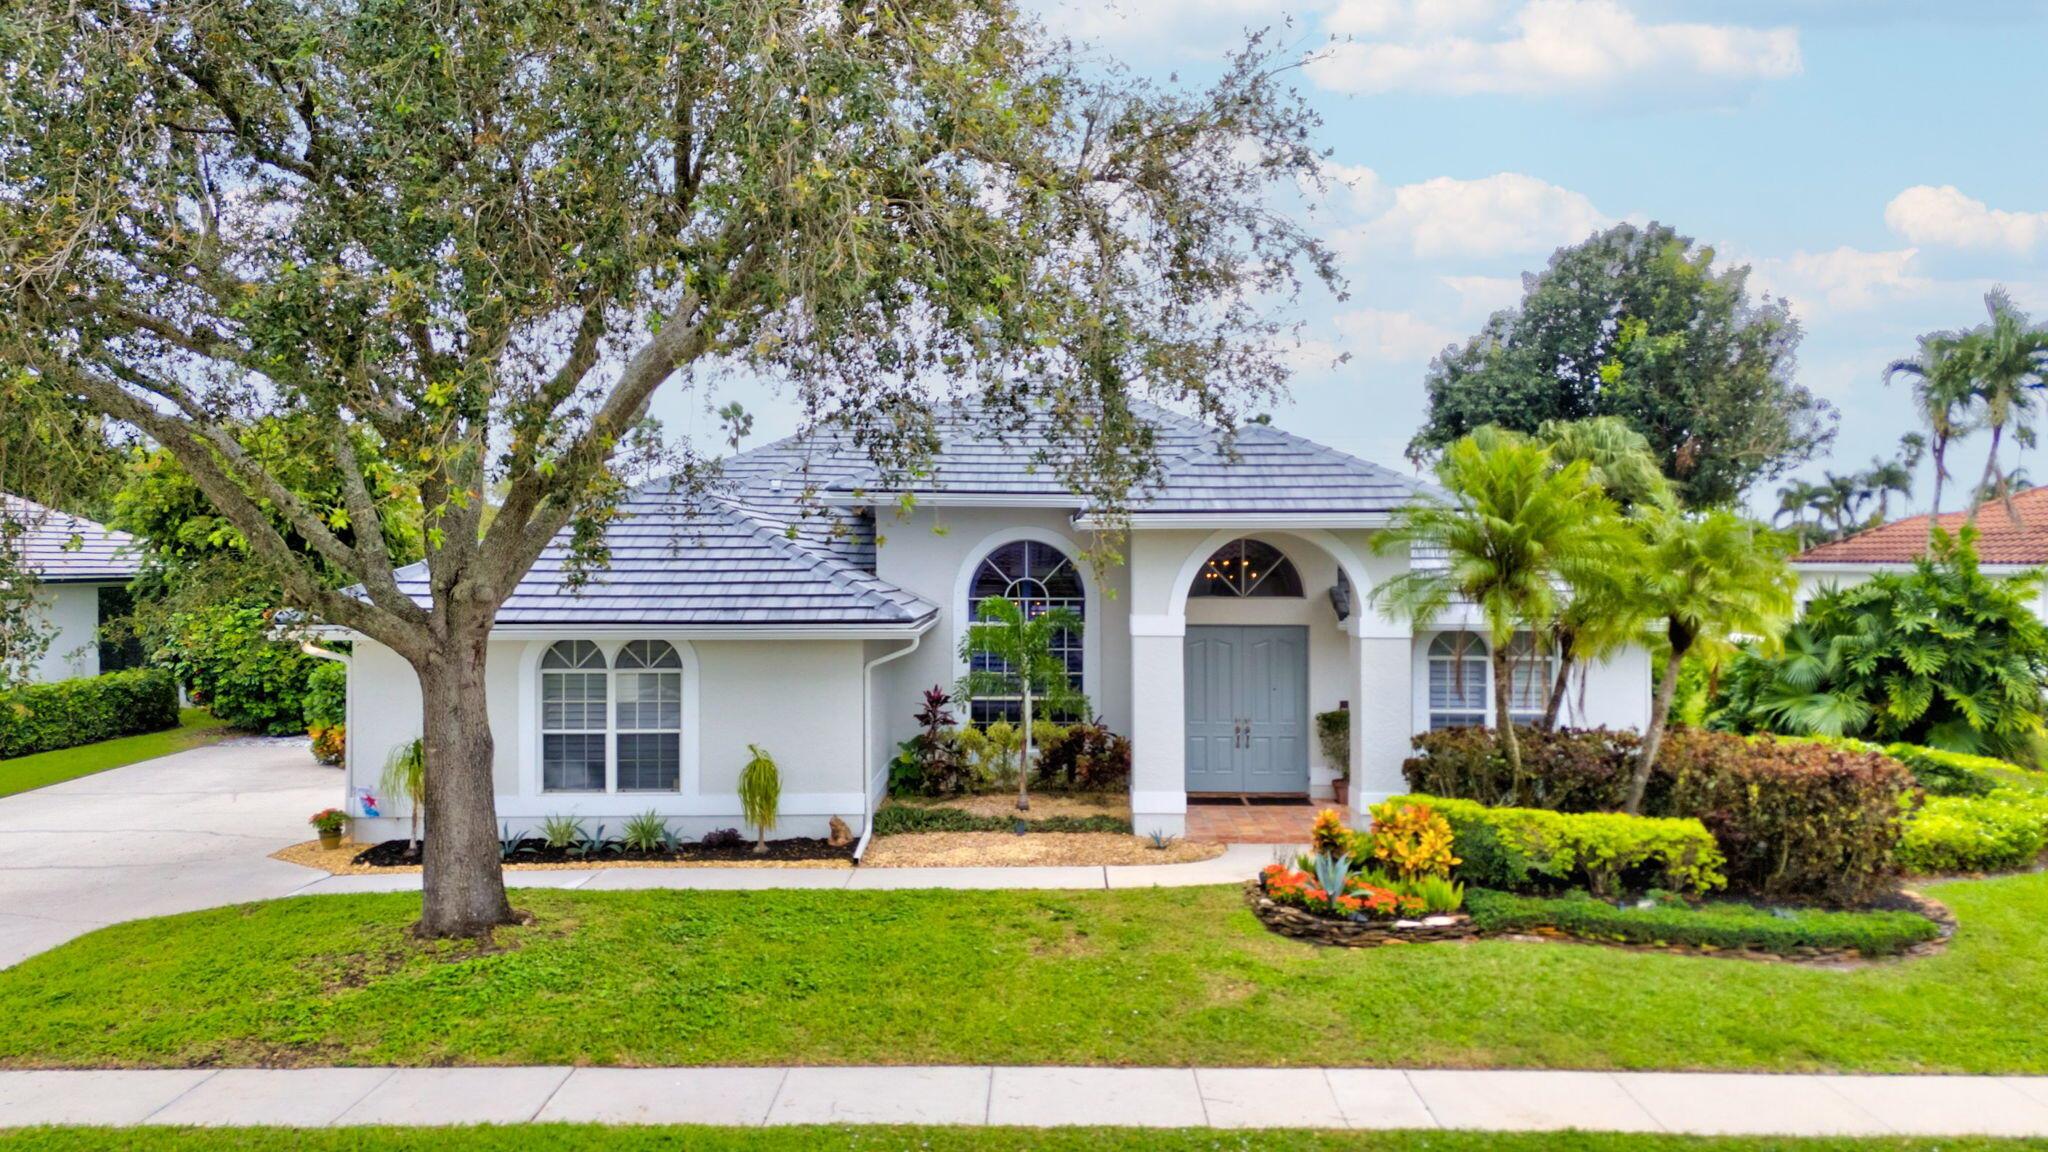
<point x="1158" y="977"/>
<point x="195" y="727"/>
<point x="567" y="1138"/>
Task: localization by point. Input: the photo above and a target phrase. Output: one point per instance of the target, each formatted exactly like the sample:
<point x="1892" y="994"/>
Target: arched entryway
<point x="1246" y="674"/>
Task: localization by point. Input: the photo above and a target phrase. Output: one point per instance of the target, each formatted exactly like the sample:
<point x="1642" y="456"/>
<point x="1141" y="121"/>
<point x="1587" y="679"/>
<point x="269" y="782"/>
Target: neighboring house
<point x="2009" y="541"/>
<point x="1238" y="610"/>
<point x="82" y="570"/>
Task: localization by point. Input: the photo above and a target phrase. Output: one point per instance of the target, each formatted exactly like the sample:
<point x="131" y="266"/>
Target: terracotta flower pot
<point x="1343" y="789"/>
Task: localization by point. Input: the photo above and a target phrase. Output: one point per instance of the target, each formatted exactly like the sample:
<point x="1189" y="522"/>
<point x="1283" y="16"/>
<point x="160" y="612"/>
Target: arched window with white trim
<point x="573" y="683"/>
<point x="1247" y="569"/>
<point x="1035" y="576"/>
<point x="1461" y="680"/>
<point x="1458" y="680"/>
<point x="649" y="717"/>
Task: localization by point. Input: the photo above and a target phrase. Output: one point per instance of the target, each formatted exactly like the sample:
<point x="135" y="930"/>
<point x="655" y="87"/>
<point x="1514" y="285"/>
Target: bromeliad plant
<point x="1010" y="653"/>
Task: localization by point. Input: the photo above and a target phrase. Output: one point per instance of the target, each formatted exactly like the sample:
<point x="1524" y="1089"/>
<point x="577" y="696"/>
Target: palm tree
<point x="1599" y="618"/>
<point x="1711" y="577"/>
<point x="1009" y="652"/>
<point x="1515" y="531"/>
<point x="2008" y="357"/>
<point x="1944" y="392"/>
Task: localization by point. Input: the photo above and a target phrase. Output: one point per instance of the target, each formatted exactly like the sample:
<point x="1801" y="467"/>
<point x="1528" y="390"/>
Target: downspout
<point x="867" y="742"/>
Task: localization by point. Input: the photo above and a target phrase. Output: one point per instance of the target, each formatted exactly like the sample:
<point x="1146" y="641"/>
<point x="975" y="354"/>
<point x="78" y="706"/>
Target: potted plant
<point x="329" y="822"/>
<point x="1333" y="732"/>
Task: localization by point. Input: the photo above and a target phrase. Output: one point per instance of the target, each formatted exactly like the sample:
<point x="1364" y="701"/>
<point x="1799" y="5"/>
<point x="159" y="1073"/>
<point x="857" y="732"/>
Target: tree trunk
<point x="1558" y="685"/>
<point x="1660" y="715"/>
<point x="464" y="887"/>
<point x="1503" y="719"/>
<point x="1024" y="756"/>
<point x="1985" y="489"/>
<point x="1940" y="473"/>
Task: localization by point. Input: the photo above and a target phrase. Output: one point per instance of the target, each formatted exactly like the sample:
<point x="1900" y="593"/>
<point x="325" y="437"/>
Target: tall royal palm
<point x="1712" y="578"/>
<point x="2008" y="356"/>
<point x="1944" y="392"/>
<point x="1513" y="532"/>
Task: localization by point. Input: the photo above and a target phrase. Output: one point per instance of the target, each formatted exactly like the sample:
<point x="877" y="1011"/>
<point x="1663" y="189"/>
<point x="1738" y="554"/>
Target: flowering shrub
<point x="1413" y="840"/>
<point x="1297" y="889"/>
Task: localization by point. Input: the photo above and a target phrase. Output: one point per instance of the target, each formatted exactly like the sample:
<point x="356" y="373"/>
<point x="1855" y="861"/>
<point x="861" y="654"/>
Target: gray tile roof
<point x="682" y="559"/>
<point x="1266" y="470"/>
<point x="782" y="539"/>
<point x="60" y="548"/>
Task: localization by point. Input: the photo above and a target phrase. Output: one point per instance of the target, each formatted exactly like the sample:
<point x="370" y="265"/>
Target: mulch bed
<point x="394" y="854"/>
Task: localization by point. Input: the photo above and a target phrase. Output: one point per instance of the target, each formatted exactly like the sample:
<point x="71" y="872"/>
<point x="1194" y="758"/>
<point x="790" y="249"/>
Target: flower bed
<point x="1362" y="932"/>
<point x="734" y="849"/>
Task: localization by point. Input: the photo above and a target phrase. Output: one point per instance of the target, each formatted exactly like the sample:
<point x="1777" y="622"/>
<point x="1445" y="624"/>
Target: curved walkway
<point x="1331" y="1098"/>
<point x="196" y="829"/>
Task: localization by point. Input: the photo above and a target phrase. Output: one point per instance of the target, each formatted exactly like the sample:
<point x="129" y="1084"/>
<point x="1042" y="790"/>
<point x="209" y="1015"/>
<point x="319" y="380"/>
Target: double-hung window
<point x="611" y="725"/>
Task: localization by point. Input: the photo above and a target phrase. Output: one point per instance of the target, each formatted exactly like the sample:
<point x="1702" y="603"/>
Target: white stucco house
<point x="2009" y="541"/>
<point x="1239" y="610"/>
<point x="81" y="571"/>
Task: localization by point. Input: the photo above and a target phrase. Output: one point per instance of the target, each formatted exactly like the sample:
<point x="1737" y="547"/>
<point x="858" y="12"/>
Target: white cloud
<point x="1544" y="47"/>
<point x="1354" y="185"/>
<point x="1944" y="216"/>
<point x="1484" y="295"/>
<point x="1502" y="214"/>
<point x="1391" y="337"/>
<point x="1843" y="280"/>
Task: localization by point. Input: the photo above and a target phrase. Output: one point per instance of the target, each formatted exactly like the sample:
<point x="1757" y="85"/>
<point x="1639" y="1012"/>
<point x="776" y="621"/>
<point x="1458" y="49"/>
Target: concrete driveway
<point x="183" y="832"/>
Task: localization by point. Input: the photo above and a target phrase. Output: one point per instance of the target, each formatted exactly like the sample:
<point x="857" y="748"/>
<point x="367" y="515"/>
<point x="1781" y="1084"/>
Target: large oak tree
<point x="1638" y="323"/>
<point x="481" y="235"/>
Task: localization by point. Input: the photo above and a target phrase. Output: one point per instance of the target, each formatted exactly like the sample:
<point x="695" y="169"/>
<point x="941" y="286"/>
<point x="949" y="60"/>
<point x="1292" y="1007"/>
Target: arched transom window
<point x="611" y="727"/>
<point x="1461" y="680"/>
<point x="1035" y="576"/>
<point x="1247" y="568"/>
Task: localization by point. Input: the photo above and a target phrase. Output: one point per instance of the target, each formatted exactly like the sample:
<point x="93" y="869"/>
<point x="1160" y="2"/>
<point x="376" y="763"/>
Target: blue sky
<point x="1881" y="164"/>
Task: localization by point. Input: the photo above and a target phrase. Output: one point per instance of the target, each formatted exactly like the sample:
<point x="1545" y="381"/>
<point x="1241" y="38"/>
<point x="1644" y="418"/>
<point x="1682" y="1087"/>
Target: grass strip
<point x="196" y="728"/>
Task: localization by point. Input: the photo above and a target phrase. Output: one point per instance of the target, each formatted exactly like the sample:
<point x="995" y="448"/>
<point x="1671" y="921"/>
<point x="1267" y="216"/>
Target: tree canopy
<point x="1637" y="323"/>
<point x="479" y="238"/>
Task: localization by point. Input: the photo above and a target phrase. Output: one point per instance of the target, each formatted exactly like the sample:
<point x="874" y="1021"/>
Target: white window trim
<point x="1420" y="677"/>
<point x="1091" y="639"/>
<point x="531" y="771"/>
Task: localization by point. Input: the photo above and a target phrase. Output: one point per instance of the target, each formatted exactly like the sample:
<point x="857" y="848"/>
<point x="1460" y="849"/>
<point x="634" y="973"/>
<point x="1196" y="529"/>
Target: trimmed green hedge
<point x="1525" y="848"/>
<point x="2000" y="832"/>
<point x="902" y="819"/>
<point x="45" y="717"/>
<point x="1719" y="924"/>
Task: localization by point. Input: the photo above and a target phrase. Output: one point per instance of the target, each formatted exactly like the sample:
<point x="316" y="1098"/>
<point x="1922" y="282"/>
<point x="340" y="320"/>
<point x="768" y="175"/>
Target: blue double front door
<point x="1247" y="709"/>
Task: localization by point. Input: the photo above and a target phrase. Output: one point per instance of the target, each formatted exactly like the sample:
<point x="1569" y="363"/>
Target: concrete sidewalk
<point x="1691" y="1103"/>
<point x="1239" y="863"/>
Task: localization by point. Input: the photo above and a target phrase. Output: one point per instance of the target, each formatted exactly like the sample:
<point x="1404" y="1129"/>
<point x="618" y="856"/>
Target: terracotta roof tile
<point x="2001" y="538"/>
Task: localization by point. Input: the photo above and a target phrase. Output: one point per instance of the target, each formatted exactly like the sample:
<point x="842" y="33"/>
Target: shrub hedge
<point x="1572" y="770"/>
<point x="1087" y="757"/>
<point x="1999" y="832"/>
<point x="1945" y="773"/>
<point x="1719" y="924"/>
<point x="1522" y="849"/>
<point x="45" y="717"/>
<point x="902" y="819"/>
<point x="1795" y="818"/>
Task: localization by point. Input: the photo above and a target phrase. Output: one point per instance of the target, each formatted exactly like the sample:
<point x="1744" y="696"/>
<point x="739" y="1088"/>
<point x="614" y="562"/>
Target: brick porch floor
<point x="1235" y="822"/>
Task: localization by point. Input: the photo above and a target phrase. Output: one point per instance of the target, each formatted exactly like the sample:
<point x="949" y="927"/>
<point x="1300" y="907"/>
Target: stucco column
<point x="1382" y="708"/>
<point x="1159" y="797"/>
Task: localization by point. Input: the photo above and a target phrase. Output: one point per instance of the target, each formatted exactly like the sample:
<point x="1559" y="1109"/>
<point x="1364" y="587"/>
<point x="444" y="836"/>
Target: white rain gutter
<point x="867" y="742"/>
